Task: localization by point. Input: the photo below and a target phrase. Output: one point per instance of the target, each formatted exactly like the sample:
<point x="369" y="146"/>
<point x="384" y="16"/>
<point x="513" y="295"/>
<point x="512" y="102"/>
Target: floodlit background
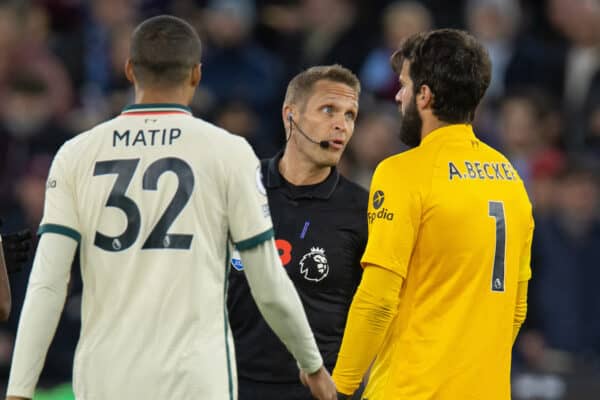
<point x="61" y="72"/>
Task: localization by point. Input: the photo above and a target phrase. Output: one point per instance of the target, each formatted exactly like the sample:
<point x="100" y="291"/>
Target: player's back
<point x="452" y="336"/>
<point x="152" y="198"/>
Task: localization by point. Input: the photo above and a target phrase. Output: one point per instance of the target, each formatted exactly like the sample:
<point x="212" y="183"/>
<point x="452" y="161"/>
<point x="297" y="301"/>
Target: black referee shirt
<point x="321" y="233"/>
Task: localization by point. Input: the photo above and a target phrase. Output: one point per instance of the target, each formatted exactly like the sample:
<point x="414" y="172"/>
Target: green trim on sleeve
<point x="61" y="230"/>
<point x="255" y="240"/>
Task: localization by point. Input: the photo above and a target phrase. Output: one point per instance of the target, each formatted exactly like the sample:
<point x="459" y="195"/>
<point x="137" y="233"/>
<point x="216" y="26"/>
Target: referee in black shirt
<point x="320" y="226"/>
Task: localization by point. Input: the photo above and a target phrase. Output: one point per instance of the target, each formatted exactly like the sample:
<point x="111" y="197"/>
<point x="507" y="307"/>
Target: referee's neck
<point x="300" y="171"/>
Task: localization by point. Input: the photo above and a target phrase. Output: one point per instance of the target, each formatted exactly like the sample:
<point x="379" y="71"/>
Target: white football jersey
<point x="154" y="195"/>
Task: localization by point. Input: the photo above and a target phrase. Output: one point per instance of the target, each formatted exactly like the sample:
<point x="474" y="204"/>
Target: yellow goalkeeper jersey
<point x="453" y="218"/>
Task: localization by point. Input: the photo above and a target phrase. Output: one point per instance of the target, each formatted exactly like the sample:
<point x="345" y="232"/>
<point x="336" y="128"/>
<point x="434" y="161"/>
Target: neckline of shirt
<point x="449" y="130"/>
<point x="156" y="108"/>
<point x="321" y="190"/>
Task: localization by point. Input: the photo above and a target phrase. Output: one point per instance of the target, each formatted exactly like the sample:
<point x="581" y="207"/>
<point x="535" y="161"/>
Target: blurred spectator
<point x="579" y="22"/>
<point x="31" y="52"/>
<point x="529" y="126"/>
<point x="591" y="118"/>
<point x="106" y="23"/>
<point x="544" y="103"/>
<point x="376" y="137"/>
<point x="239" y="118"/>
<point x="542" y="188"/>
<point x="564" y="329"/>
<point x="399" y="20"/>
<point x="27" y="127"/>
<point x="234" y="66"/>
<point x="9" y="34"/>
<point x="279" y="24"/>
<point x="518" y="58"/>
<point x="27" y="211"/>
<point x="496" y="23"/>
<point x="332" y="34"/>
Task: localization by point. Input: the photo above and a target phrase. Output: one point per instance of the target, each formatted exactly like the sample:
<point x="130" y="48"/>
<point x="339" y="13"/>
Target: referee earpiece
<point x="289" y="116"/>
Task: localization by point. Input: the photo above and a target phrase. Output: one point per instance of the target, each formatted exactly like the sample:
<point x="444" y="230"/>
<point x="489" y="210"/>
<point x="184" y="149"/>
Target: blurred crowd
<point x="61" y="72"/>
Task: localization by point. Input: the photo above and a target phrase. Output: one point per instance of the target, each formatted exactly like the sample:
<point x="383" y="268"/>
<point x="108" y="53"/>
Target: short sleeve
<point x="248" y="209"/>
<point x="60" y="211"/>
<point x="393" y="219"/>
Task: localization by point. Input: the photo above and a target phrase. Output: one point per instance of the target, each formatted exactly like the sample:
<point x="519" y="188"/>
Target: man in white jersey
<point x="153" y="197"/>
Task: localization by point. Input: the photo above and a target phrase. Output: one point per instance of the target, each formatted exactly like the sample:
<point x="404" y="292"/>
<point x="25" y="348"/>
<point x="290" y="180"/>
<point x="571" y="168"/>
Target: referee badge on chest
<point x="313" y="265"/>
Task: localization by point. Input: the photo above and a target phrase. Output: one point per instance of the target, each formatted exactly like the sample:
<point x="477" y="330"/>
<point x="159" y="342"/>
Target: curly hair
<point x="455" y="66"/>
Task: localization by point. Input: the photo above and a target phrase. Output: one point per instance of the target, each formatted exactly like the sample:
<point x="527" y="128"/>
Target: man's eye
<point x="350" y="116"/>
<point x="327" y="109"/>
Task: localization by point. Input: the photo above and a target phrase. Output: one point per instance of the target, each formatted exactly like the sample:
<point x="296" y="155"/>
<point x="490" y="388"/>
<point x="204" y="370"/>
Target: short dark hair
<point x="163" y="50"/>
<point x="455" y="66"/>
<point x="300" y="87"/>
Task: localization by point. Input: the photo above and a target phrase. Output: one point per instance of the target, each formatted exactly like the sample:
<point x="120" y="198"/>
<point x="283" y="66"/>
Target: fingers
<point x="303" y="378"/>
<point x="320" y="383"/>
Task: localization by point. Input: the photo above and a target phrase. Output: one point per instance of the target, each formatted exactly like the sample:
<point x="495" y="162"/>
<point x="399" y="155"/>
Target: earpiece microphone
<point x="323" y="143"/>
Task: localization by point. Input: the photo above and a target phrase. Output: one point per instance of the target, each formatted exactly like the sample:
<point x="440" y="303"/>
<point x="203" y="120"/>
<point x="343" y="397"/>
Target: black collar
<point x="273" y="179"/>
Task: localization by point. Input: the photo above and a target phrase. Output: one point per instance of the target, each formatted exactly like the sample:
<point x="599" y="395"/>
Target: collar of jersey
<point x="156" y="108"/>
<point x="323" y="190"/>
<point x="448" y="131"/>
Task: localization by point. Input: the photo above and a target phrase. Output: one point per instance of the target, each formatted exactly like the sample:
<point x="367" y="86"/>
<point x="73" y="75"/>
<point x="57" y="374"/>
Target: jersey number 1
<point x="496" y="211"/>
<point x="158" y="238"/>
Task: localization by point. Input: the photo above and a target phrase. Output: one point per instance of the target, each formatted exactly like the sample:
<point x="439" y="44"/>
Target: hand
<point x="17" y="249"/>
<point x="320" y="384"/>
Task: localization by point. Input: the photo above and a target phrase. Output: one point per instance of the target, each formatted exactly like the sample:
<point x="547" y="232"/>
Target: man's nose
<point x="340" y="124"/>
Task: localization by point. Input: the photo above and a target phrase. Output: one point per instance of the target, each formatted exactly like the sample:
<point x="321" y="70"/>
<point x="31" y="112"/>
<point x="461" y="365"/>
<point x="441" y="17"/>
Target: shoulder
<point x="403" y="165"/>
<point x="352" y="191"/>
<point x="223" y="144"/>
<point x="74" y="148"/>
<point x="237" y="143"/>
<point x="494" y="152"/>
<point x="221" y="134"/>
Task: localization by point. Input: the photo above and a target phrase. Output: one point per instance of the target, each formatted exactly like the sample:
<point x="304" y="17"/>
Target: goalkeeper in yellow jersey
<point x="446" y="268"/>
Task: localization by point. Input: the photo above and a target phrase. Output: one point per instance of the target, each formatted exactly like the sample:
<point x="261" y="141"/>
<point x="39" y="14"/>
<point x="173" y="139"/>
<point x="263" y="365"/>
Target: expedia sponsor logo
<point x="378" y="198"/>
<point x="381" y="214"/>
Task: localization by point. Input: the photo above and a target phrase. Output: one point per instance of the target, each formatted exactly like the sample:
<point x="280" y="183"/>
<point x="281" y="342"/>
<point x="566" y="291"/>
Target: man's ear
<point x="129" y="71"/>
<point x="287" y="112"/>
<point x="424" y="97"/>
<point x="196" y="75"/>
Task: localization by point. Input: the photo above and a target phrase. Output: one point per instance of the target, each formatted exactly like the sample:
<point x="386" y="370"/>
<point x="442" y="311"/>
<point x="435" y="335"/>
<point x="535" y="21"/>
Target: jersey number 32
<point x="158" y="237"/>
